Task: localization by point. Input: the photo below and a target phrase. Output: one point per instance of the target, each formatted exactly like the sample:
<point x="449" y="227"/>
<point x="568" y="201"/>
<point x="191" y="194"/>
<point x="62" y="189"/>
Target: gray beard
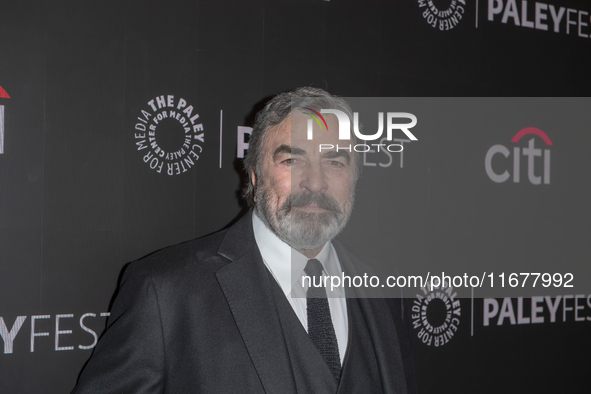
<point x="303" y="230"/>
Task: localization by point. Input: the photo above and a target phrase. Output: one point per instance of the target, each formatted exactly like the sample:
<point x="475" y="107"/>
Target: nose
<point x="314" y="179"/>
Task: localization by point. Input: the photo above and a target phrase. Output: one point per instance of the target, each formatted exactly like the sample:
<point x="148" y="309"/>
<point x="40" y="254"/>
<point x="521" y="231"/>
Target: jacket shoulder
<point x="195" y="255"/>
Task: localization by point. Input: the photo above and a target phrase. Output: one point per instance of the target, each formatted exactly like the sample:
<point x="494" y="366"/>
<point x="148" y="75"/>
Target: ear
<point x="253" y="181"/>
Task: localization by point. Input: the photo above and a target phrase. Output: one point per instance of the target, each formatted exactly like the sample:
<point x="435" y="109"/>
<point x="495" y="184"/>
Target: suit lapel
<point x="246" y="286"/>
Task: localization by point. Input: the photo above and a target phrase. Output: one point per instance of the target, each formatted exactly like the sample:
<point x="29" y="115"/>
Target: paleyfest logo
<point x="345" y="129"/>
<point x="435" y="314"/>
<point x="5" y="95"/>
<point x="531" y="152"/>
<point x="440" y="17"/>
<point x="169" y="135"/>
<point x="540" y="16"/>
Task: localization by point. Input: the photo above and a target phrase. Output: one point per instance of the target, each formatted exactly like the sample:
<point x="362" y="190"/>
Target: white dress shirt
<point x="287" y="267"/>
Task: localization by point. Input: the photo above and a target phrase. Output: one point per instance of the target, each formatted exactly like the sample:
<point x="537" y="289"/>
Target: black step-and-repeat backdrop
<point x="123" y="125"/>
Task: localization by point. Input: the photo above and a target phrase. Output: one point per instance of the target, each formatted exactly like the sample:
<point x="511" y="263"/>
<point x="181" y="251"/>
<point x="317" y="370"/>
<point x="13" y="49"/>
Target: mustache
<point x="322" y="200"/>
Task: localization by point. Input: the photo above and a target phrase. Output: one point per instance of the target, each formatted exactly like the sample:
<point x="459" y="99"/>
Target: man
<point x="221" y="315"/>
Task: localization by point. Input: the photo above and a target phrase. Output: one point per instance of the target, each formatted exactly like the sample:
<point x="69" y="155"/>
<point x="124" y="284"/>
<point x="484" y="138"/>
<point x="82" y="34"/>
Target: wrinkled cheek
<point x="281" y="206"/>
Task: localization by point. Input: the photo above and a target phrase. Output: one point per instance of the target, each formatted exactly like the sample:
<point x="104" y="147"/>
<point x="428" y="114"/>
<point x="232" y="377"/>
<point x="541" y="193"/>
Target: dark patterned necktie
<point x="320" y="328"/>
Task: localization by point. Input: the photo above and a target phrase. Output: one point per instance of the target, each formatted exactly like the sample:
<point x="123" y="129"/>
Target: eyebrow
<point x="333" y="154"/>
<point x="289" y="150"/>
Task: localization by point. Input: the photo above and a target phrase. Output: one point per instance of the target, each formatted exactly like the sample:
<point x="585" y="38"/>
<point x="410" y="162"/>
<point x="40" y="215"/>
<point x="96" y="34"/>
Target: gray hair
<point x="274" y="113"/>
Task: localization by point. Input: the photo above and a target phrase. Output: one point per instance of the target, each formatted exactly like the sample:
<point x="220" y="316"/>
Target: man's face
<point x="305" y="196"/>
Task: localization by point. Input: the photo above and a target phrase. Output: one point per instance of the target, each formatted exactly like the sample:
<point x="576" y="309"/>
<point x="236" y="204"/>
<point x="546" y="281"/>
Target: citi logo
<point x="3" y="94"/>
<point x="531" y="152"/>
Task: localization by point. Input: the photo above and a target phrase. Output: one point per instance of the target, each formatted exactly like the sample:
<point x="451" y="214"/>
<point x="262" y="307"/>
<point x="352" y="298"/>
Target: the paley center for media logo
<point x="169" y="134"/>
<point x="436" y="313"/>
<point x="442" y="15"/>
<point x="502" y="163"/>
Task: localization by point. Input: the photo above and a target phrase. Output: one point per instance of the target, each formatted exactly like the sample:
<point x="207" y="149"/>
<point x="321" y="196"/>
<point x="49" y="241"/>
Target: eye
<point x="291" y="161"/>
<point x="335" y="163"/>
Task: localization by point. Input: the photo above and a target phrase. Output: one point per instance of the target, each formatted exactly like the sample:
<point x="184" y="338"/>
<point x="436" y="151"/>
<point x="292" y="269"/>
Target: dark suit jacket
<point x="203" y="317"/>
